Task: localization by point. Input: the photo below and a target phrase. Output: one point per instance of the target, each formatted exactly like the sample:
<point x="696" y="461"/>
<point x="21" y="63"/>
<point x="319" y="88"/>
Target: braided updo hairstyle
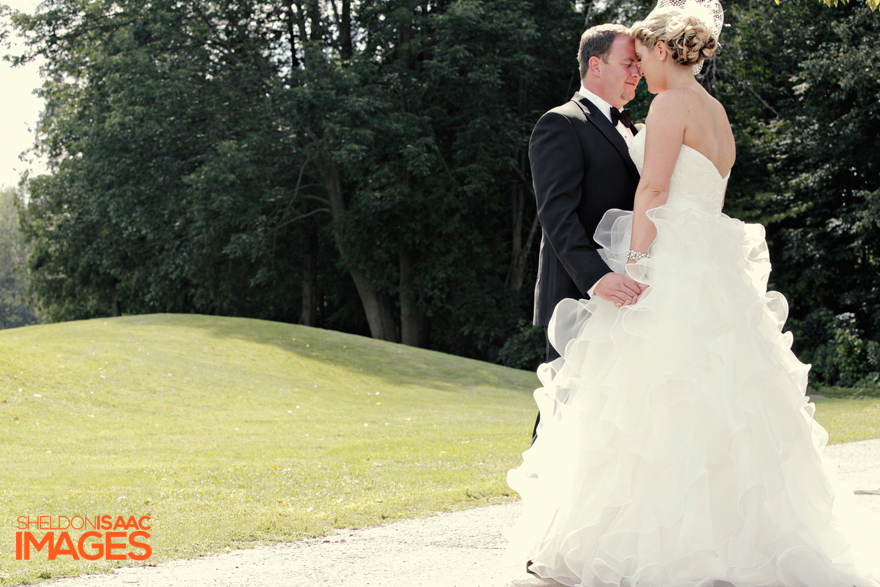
<point x="688" y="39"/>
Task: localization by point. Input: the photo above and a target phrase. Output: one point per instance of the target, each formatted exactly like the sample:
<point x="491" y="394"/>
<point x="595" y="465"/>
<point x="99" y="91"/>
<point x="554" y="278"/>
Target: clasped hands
<point x="621" y="290"/>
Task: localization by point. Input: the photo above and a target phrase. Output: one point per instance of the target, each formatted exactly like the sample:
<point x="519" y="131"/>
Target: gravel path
<point x="462" y="549"/>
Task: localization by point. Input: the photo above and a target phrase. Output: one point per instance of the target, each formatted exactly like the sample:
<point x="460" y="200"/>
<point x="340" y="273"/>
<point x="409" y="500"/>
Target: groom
<point x="581" y="168"/>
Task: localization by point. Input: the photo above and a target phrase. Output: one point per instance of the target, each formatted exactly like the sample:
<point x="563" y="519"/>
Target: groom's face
<point x="620" y="76"/>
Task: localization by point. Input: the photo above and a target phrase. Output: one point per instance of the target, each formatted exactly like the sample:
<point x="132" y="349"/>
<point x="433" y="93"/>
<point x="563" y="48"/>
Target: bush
<point x="524" y="350"/>
<point x="840" y="354"/>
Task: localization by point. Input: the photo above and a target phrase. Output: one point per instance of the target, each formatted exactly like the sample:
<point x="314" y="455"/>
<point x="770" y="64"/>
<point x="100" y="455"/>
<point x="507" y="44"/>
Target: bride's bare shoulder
<point x="681" y="102"/>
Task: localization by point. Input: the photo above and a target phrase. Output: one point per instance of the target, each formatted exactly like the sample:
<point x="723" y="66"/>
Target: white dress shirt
<point x="605" y="108"/>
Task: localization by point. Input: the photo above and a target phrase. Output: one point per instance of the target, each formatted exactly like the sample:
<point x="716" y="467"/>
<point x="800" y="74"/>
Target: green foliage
<point x="13" y="265"/>
<point x="208" y="153"/>
<point x="526" y="349"/>
<point x="155" y="139"/>
<point x="872" y="3"/>
<point x="201" y="146"/>
<point x="447" y="161"/>
<point x="839" y="353"/>
<point x="801" y="90"/>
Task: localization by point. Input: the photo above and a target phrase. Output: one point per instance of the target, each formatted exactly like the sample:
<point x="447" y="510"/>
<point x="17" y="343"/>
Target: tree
<point x="259" y="159"/>
<point x="872" y="3"/>
<point x="13" y="263"/>
<point x="161" y="129"/>
<point x="800" y="88"/>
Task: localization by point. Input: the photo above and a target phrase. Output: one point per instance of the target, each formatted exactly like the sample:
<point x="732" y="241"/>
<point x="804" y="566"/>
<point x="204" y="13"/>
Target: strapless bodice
<point x="695" y="181"/>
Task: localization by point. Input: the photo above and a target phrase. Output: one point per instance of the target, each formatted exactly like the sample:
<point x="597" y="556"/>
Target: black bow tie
<point x="624" y="117"/>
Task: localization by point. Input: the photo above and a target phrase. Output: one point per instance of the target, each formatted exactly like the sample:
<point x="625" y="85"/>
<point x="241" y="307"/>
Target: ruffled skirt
<point x="676" y="444"/>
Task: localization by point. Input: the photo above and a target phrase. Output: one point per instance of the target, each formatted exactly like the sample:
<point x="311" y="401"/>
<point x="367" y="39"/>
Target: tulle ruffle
<point x="676" y="444"/>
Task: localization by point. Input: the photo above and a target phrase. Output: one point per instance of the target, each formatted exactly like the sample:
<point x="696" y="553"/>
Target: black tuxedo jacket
<point x="581" y="168"/>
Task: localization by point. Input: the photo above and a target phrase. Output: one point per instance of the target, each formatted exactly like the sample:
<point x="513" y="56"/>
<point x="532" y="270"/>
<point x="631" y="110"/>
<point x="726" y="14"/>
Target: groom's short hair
<point x="596" y="42"/>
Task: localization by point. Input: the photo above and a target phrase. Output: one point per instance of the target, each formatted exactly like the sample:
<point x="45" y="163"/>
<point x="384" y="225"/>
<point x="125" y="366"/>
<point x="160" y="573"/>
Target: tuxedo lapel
<point x="601" y="122"/>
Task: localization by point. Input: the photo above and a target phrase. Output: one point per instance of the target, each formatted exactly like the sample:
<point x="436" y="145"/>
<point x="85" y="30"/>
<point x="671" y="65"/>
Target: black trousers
<point x="551" y="356"/>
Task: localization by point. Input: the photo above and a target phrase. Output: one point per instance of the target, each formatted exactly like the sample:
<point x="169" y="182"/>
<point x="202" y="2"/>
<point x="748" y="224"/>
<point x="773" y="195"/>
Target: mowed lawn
<point x="231" y="432"/>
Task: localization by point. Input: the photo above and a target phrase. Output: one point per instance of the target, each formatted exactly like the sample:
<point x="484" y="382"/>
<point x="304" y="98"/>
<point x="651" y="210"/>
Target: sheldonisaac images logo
<point x="106" y="537"/>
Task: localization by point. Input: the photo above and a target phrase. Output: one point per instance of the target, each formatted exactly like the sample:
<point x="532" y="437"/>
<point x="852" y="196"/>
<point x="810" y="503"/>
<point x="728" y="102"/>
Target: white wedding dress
<point x="676" y="445"/>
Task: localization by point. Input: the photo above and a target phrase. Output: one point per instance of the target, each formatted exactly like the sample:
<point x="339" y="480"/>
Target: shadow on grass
<point x="392" y="363"/>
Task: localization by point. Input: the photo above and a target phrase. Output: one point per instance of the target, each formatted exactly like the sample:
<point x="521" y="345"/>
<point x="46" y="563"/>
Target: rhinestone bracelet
<point x="636" y="255"/>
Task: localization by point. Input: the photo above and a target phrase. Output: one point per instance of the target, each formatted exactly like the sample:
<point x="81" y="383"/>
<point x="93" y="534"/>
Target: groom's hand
<point x="621" y="290"/>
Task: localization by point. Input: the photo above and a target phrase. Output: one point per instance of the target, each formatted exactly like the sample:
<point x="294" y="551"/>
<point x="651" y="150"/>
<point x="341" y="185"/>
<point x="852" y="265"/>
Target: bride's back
<point x="707" y="129"/>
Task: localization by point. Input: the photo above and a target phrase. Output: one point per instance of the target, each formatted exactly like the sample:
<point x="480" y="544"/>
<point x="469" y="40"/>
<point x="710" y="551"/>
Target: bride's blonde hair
<point x="688" y="39"/>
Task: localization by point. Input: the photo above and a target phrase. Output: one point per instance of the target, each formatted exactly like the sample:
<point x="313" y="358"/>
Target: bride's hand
<point x="642" y="286"/>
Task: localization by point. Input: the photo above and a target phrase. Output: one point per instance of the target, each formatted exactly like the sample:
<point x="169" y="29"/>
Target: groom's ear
<point x="594" y="66"/>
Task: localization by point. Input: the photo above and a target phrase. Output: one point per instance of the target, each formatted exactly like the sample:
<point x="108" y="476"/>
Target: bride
<point x="676" y="445"/>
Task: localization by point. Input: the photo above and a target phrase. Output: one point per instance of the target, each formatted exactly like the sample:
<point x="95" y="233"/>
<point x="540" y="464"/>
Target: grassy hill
<point x="229" y="432"/>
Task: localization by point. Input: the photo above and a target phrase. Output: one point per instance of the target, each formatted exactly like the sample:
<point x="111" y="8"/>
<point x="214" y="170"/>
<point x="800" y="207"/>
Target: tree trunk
<point x="303" y="29"/>
<point x="520" y="257"/>
<point x="376" y="305"/>
<point x="345" y="46"/>
<point x="314" y="15"/>
<point x="516" y="209"/>
<point x="115" y="304"/>
<point x="519" y="254"/>
<point x="588" y="7"/>
<point x="520" y="191"/>
<point x="410" y="317"/>
<point x="288" y="5"/>
<point x="310" y="278"/>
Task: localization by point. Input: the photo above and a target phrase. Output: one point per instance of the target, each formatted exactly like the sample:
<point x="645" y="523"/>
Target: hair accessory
<point x="709" y="12"/>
